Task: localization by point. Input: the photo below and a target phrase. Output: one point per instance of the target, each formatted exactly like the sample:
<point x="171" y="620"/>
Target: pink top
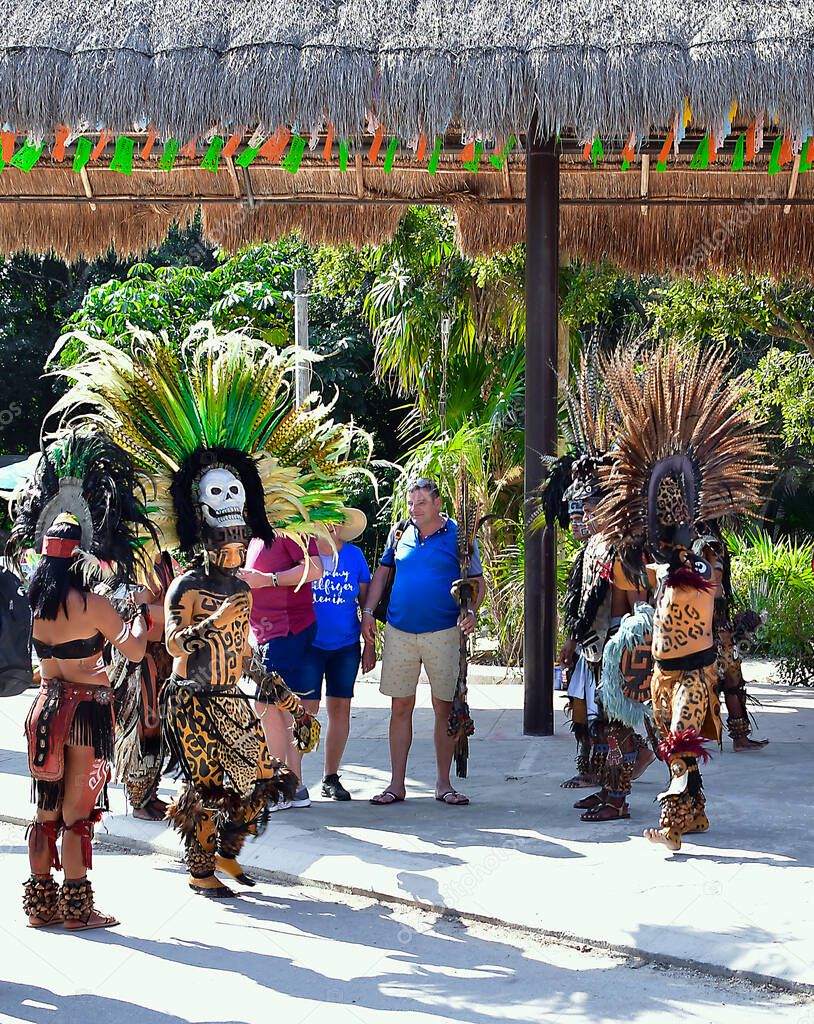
<point x="278" y="611"/>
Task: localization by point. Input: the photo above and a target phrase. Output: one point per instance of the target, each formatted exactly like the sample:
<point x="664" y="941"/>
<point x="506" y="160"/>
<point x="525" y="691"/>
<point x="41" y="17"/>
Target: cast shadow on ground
<point x="15" y="1000"/>
<point x="428" y="972"/>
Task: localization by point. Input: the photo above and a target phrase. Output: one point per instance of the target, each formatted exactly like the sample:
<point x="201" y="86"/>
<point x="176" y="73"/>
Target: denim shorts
<point x="286" y="655"/>
<point x="338" y="668"/>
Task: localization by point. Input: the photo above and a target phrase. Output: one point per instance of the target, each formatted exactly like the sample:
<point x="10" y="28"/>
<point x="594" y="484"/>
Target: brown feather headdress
<point x="688" y="452"/>
<point x="590" y="428"/>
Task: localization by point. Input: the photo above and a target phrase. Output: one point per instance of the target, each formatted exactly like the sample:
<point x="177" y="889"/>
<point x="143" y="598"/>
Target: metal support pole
<point x="303" y="367"/>
<point x="542" y="299"/>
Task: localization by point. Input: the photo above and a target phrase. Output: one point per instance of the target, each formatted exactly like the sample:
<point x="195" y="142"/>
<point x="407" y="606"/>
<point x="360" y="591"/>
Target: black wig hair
<point x="551" y="494"/>
<point x="54" y="577"/>
<point x="184" y="486"/>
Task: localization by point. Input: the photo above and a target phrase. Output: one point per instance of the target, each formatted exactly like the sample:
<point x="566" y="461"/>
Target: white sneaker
<point x="302" y="798"/>
<point x="281" y="805"/>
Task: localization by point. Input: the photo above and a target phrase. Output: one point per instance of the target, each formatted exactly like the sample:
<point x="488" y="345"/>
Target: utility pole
<point x="303" y="367"/>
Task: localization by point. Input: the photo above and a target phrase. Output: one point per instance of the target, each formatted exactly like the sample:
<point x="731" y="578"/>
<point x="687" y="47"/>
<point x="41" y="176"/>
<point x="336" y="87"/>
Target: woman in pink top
<point x="284" y="626"/>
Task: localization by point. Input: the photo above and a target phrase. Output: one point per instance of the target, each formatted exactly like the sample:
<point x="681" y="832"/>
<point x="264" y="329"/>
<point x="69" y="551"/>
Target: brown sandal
<point x="590" y="803"/>
<point x="606" y="812"/>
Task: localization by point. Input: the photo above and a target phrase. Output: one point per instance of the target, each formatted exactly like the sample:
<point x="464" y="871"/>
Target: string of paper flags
<point x="284" y="147"/>
<point x="749" y="143"/>
<point x="287" y="148"/>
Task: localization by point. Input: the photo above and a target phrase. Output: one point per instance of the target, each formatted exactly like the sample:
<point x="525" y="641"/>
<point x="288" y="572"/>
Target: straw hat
<point x="354" y="524"/>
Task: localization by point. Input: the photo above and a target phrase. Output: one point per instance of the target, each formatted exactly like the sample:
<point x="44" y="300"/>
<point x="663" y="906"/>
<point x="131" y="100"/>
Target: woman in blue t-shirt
<point x="335" y="653"/>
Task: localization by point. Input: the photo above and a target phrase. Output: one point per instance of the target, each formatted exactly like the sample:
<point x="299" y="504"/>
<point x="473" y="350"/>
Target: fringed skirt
<point x="66" y="715"/>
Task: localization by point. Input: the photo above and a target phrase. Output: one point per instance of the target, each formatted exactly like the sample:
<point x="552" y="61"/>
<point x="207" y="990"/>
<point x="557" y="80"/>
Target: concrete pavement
<point x="737" y="899"/>
<point x="295" y="954"/>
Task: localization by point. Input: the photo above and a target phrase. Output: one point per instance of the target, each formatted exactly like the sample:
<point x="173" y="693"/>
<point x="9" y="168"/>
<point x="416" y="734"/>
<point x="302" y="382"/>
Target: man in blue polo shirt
<point x="424" y="624"/>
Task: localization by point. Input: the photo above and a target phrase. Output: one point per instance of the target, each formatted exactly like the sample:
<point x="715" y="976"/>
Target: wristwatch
<point x="367" y="611"/>
<point x="274" y="580"/>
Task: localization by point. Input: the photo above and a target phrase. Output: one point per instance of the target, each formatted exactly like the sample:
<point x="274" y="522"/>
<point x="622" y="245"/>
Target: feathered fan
<point x="89" y="477"/>
<point x="683" y="431"/>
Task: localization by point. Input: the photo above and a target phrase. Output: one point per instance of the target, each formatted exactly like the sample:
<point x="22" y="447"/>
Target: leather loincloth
<point x="67" y="714"/>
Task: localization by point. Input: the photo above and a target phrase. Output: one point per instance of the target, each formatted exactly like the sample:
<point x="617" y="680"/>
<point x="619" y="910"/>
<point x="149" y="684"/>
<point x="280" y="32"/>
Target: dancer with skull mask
<point x="220" y="443"/>
<point x="687" y="454"/>
<point x="82" y="513"/>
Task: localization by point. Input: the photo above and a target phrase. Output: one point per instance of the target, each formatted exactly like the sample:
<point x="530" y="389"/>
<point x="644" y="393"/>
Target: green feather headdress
<point x="166" y="405"/>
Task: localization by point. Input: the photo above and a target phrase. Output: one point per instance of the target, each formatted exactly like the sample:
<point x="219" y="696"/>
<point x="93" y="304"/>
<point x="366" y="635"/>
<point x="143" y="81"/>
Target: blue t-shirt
<point x="420" y="601"/>
<point x="336" y="598"/>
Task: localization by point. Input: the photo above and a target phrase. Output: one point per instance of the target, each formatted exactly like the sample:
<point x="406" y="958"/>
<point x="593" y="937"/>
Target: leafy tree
<point x="38" y="294"/>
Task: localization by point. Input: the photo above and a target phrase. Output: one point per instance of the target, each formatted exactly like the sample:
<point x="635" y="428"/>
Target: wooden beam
<point x="645" y="183"/>
<point x="795" y="175"/>
<point x="360" y="175"/>
<point x="507" y="180"/>
<point x="441" y="199"/>
<point x="230" y="166"/>
<point x="83" y="176"/>
<point x="247" y="181"/>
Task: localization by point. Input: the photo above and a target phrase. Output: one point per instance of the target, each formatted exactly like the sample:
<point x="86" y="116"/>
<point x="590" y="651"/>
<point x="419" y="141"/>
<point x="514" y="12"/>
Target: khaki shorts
<point x="404" y="654"/>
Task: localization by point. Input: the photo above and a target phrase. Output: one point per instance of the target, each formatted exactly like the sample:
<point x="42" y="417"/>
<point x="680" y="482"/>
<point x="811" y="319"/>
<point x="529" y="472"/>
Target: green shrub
<point x="776" y="576"/>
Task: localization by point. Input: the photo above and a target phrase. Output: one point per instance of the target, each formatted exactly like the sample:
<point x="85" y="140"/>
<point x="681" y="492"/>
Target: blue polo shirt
<point x="420" y="601"/>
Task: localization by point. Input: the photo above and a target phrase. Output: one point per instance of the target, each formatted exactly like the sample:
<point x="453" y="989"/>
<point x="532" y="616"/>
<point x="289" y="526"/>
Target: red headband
<point x="59" y="547"/>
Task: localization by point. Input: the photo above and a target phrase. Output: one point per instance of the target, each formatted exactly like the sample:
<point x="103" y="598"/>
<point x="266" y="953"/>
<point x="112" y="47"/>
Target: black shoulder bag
<point x="380" y="611"/>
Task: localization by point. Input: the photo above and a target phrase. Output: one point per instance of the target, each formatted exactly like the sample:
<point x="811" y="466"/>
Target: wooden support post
<point x="360" y="175"/>
<point x="230" y="167"/>
<point x="542" y="301"/>
<point x="303" y="367"/>
<point x="83" y="177"/>
<point x="247" y="181"/>
<point x="795" y="177"/>
<point x="645" y="189"/>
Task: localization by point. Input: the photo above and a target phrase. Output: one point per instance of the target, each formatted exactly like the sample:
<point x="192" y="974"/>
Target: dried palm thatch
<point x="190" y="65"/>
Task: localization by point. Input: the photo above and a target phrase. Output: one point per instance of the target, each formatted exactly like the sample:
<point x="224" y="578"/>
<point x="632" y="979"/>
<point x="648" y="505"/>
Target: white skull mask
<point x="222" y="499"/>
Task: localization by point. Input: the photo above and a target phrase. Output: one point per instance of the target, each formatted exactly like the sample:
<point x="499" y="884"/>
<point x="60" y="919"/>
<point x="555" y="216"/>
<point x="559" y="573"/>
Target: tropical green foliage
<point x="377" y="314"/>
<point x="246" y="292"/>
<point x="781" y="387"/>
<point x="776" y="576"/>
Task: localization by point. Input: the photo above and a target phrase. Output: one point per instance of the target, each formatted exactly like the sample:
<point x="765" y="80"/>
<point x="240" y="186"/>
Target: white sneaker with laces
<point x="302" y="798"/>
<point x="281" y="805"/>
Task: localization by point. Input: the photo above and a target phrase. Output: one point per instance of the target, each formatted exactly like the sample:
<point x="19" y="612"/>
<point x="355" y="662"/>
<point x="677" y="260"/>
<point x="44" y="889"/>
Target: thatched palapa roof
<point x="457" y="69"/>
<point x="420" y="65"/>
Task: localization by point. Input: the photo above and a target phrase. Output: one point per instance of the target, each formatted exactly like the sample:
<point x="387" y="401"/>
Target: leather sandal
<point x="606" y="812"/>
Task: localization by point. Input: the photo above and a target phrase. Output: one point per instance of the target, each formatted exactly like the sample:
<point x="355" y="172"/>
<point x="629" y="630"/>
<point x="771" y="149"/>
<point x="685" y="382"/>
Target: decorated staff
<point x="465" y="592"/>
<point x="220" y="445"/>
<point x="687" y="456"/>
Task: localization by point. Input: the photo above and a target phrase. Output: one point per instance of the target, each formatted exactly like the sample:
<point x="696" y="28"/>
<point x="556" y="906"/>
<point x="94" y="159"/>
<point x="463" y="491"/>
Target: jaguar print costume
<point x="213" y="735"/>
<point x="687" y="455"/>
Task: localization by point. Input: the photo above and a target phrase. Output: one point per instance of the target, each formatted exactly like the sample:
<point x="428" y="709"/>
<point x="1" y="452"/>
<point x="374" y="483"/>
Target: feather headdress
<point x="590" y="428"/>
<point x="85" y="476"/>
<point x="218" y="400"/>
<point x="687" y="453"/>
